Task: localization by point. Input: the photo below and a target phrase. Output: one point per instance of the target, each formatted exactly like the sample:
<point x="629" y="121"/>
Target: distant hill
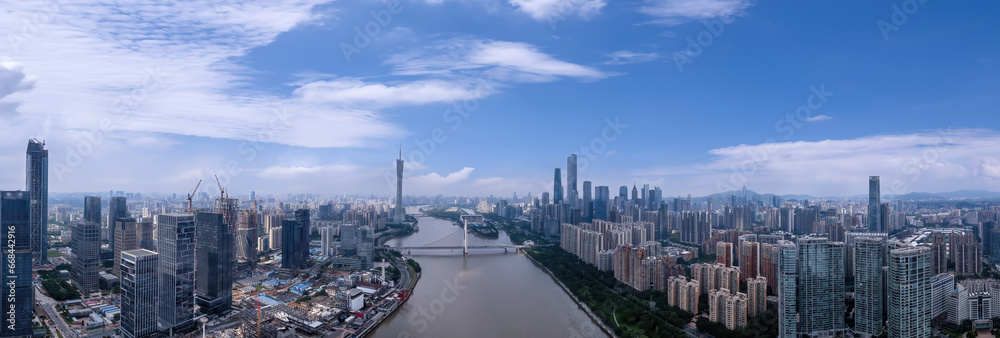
<point x="721" y="198"/>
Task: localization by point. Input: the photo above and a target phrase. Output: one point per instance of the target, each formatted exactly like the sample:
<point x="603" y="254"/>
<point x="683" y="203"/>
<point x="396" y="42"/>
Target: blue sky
<point x="782" y="96"/>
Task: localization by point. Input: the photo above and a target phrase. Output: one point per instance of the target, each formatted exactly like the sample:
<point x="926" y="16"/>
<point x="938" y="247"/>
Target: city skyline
<point x="338" y="123"/>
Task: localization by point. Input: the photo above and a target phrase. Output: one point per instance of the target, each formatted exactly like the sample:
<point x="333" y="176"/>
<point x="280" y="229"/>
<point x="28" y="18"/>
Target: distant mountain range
<point x="721" y="198"/>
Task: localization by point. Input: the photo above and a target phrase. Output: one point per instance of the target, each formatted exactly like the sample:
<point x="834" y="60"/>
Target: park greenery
<point x="57" y="288"/>
<point x="413" y="264"/>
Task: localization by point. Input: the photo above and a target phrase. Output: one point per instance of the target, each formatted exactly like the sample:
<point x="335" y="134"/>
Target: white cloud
<point x="932" y="161"/>
<point x="818" y="118"/>
<point x="436" y="180"/>
<point x="681" y="11"/>
<point x="353" y="91"/>
<point x="552" y="9"/>
<point x="170" y="66"/>
<point x="624" y="57"/>
<point x="504" y="60"/>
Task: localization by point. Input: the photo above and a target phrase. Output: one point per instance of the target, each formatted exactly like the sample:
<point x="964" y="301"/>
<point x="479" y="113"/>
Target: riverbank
<point x="586" y="309"/>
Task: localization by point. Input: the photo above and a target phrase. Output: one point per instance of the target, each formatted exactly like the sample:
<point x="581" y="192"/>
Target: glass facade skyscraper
<point x="18" y="296"/>
<point x="874" y="205"/>
<point x="38" y="189"/>
<point x="571" y="191"/>
<point x="92" y="209"/>
<point x="117" y="210"/>
<point x="175" y="234"/>
<point x="214" y="257"/>
<point x="557" y="188"/>
<point x="295" y="241"/>
<point x="86" y="259"/>
<point x="138" y="293"/>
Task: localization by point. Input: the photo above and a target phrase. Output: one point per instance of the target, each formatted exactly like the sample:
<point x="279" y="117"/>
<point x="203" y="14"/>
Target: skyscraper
<point x="138" y="293"/>
<point x="787" y="289"/>
<point x="965" y="253"/>
<point x="295" y="238"/>
<point x="214" y="280"/>
<point x="588" y="207"/>
<point x="348" y="241"/>
<point x="820" y="285"/>
<point x="399" y="213"/>
<point x="126" y="231"/>
<point x="15" y="219"/>
<point x="757" y="293"/>
<point x="366" y="246"/>
<point x="92" y="209"/>
<point x="146" y="234"/>
<point x="909" y="293"/>
<point x="874" y="206"/>
<point x="86" y="259"/>
<point x="246" y="237"/>
<point x="869" y="259"/>
<point x="557" y="189"/>
<point x="571" y="180"/>
<point x="601" y="202"/>
<point x="175" y="234"/>
<point x="38" y="189"/>
<point x="623" y="192"/>
<point x="117" y="210"/>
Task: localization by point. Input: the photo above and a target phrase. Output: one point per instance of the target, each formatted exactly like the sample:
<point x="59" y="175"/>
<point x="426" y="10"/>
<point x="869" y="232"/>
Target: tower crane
<point x="190" y="195"/>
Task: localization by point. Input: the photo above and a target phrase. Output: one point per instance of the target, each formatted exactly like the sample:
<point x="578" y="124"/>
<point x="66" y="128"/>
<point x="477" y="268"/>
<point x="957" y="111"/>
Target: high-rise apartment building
<point x="138" y="293"/>
<point x="820" y="285"/>
<point x="86" y="259"/>
<point x="869" y="284"/>
<point x="38" y="189"/>
<point x="683" y="293"/>
<point x="757" y="296"/>
<point x="214" y="261"/>
<point x="175" y="235"/>
<point x="965" y="253"/>
<point x="909" y="293"/>
<point x="787" y="289"/>
<point x="17" y="302"/>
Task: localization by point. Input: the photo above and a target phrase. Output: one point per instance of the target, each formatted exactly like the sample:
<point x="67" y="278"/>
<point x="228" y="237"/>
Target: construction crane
<point x="190" y="195"/>
<point x="222" y="191"/>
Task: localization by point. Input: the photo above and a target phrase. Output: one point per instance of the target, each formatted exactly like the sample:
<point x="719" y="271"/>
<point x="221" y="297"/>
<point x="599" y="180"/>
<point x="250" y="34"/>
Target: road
<point x="49" y="305"/>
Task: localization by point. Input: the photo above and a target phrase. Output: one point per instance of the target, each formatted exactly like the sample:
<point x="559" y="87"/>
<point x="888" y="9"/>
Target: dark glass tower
<point x="588" y="207"/>
<point x="295" y="241"/>
<point x="214" y="257"/>
<point x="86" y="246"/>
<point x="874" y="206"/>
<point x="571" y="190"/>
<point x="38" y="189"/>
<point x="92" y="209"/>
<point x="117" y="210"/>
<point x="138" y="293"/>
<point x="18" y="297"/>
<point x="557" y="188"/>
<point x="175" y="235"/>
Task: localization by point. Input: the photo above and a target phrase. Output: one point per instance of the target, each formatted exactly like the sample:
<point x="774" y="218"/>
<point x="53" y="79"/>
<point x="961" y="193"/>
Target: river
<point x="487" y="293"/>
